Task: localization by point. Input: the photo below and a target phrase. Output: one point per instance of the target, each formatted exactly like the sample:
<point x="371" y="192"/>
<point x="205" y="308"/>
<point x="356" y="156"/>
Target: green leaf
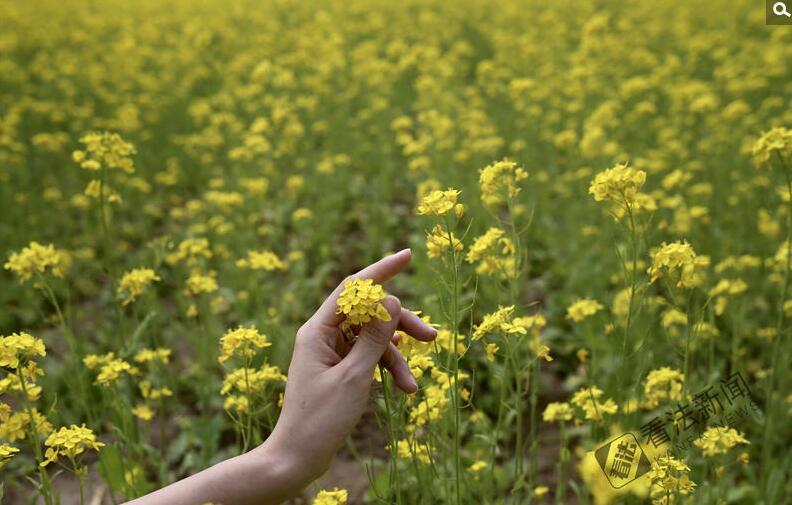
<point x="111" y="469"/>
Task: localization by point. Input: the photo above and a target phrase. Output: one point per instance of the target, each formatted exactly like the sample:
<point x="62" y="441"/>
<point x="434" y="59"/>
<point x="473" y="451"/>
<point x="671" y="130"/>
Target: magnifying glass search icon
<point x="780" y="9"/>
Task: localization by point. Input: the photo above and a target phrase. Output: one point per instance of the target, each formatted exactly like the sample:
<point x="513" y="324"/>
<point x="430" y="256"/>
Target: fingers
<point x="410" y="323"/>
<point x="379" y="272"/>
<point x="393" y="360"/>
<point x="373" y="340"/>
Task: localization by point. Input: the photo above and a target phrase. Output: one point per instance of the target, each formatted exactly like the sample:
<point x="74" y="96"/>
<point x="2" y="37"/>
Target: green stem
<point x="45" y="484"/>
<point x="768" y="439"/>
<point x="455" y="367"/>
<point x="393" y="477"/>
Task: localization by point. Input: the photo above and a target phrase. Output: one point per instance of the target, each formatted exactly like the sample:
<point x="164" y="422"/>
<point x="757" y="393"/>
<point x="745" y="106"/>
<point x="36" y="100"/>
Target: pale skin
<point x="326" y="393"/>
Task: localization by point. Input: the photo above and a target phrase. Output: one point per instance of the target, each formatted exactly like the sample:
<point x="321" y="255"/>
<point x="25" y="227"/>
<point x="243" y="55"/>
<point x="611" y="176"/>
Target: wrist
<point x="277" y="461"/>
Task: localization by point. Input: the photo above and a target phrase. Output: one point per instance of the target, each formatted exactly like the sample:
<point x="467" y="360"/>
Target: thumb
<point x="374" y="339"/>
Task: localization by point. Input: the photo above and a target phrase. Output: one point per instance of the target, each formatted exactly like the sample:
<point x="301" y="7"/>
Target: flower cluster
<point x="663" y="384"/>
<point x="69" y="443"/>
<point x="37" y="259"/>
<point x="499" y="181"/>
<point x="334" y="497"/>
<point x="105" y="150"/>
<point x="495" y="254"/>
<point x="680" y="260"/>
<point x="243" y="342"/>
<point x="588" y="399"/>
<point x="557" y="411"/>
<point x="19" y="348"/>
<point x="718" y="440"/>
<point x="669" y="479"/>
<point x="776" y="141"/>
<point x="360" y="302"/>
<point x="583" y="308"/>
<point x="440" y="240"/>
<point x="619" y="184"/>
<point x="262" y="260"/>
<point x="134" y="282"/>
<point x="440" y="203"/>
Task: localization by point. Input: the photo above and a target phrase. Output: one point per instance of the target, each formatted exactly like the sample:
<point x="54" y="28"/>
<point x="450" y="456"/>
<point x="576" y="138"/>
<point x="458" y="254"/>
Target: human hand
<point x="326" y="393"/>
<point x="329" y="379"/>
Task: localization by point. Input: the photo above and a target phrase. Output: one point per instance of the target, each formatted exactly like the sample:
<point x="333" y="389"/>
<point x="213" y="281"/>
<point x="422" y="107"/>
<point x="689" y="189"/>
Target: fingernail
<point x="414" y="383"/>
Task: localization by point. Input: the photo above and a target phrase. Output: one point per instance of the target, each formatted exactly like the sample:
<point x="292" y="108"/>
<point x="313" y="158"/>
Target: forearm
<point x="259" y="477"/>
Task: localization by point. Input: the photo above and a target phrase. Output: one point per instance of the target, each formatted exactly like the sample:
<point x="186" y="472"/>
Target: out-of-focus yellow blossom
<point x="37" y="259"/>
<point x="190" y="250"/>
<point x="19" y="348"/>
<point x="134" y="282"/>
<point x="445" y="340"/>
<point x="477" y="466"/>
<point x="105" y="150"/>
<point x="619" y="184"/>
<point x="491" y="349"/>
<point x="199" y="283"/>
<point x="438" y="203"/>
<point x="237" y="403"/>
<point x="583" y="308"/>
<point x="143" y="412"/>
<point x="663" y="384"/>
<point x="151" y="393"/>
<point x="251" y="380"/>
<point x="301" y="214"/>
<point x="334" y="497"/>
<point x="718" y="440"/>
<point x="261" y="260"/>
<point x="439" y="241"/>
<point x="495" y="321"/>
<point x="777" y="141"/>
<point x="670" y="479"/>
<point x="540" y="491"/>
<point x="111" y="372"/>
<point x="360" y="302"/>
<point x="495" y="254"/>
<point x="98" y="190"/>
<point x="499" y="181"/>
<point x="16" y="426"/>
<point x="678" y="258"/>
<point x="69" y="443"/>
<point x="557" y="411"/>
<point x="6" y="453"/>
<point x="160" y="354"/>
<point x="542" y="352"/>
<point x="243" y="342"/>
<point x="407" y="450"/>
<point x="588" y="400"/>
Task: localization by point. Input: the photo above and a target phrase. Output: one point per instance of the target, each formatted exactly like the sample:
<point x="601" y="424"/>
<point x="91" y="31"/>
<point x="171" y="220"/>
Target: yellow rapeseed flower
<point x="69" y="443"/>
<point x="37" y="259"/>
<point x="438" y="203"/>
<point x="261" y="260"/>
<point x="557" y="411"/>
<point x="499" y="181"/>
<point x="776" y="141"/>
<point x="241" y="342"/>
<point x="334" y="497"/>
<point x="619" y="184"/>
<point x="718" y="440"/>
<point x="360" y="302"/>
<point x="583" y="308"/>
<point x="134" y="282"/>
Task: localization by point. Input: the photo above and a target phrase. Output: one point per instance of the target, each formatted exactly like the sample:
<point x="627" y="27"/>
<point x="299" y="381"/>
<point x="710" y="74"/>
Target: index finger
<point x="378" y="272"/>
